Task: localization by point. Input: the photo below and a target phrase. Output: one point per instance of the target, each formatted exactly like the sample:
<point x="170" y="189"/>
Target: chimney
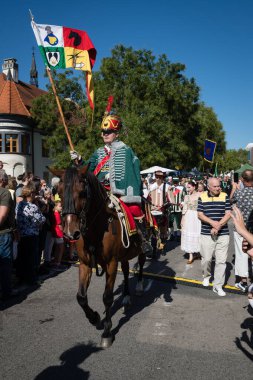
<point x="10" y="64"/>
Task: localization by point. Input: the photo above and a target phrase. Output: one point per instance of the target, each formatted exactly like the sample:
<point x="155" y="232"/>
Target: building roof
<point x="16" y="98"/>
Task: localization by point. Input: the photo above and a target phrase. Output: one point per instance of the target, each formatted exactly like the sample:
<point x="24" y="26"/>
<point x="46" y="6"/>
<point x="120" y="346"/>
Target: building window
<point x="1" y="142"/>
<point x="25" y="144"/>
<point x="45" y="150"/>
<point x="11" y="143"/>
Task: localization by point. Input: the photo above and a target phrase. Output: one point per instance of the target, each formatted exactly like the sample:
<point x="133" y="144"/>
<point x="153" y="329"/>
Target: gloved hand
<point x="74" y="155"/>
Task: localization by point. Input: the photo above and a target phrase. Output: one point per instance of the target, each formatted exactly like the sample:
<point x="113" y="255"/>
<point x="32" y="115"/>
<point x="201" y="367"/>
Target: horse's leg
<point x="111" y="272"/>
<point x="139" y="286"/>
<point x="126" y="294"/>
<point x="85" y="274"/>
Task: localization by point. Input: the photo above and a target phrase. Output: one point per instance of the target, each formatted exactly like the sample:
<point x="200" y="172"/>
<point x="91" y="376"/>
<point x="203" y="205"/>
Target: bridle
<point x="82" y="214"/>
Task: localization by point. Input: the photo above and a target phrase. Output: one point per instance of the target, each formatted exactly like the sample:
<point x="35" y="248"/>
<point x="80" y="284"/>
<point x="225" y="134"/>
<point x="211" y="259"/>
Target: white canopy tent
<point x="153" y="169"/>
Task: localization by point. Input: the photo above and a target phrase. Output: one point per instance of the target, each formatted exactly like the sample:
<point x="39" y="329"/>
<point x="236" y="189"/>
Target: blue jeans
<point x="6" y="246"/>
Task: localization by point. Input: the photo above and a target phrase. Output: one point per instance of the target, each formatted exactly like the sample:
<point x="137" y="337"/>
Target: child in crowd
<point x="57" y="234"/>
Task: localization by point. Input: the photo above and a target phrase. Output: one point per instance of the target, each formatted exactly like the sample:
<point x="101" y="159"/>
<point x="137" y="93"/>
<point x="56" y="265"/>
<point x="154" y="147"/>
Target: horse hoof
<point x="107" y="342"/>
<point x="126" y="303"/>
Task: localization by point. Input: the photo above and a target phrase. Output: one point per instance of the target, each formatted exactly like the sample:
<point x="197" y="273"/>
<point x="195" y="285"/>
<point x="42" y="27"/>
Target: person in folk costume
<point x="160" y="201"/>
<point x="177" y="193"/>
<point x="117" y="167"/>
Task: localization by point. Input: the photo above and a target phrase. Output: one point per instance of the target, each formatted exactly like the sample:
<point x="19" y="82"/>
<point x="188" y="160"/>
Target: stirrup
<point x="147" y="249"/>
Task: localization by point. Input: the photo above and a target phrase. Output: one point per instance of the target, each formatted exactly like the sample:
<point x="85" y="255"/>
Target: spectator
<point x="7" y="226"/>
<point x="177" y="194"/>
<point x="2" y="171"/>
<point x="190" y="239"/>
<point x="201" y="187"/>
<point x="226" y="185"/>
<point x="244" y="201"/>
<point x="247" y="244"/>
<point x="12" y="185"/>
<point x="49" y="241"/>
<point x="29" y="221"/>
<point x="43" y="187"/>
<point x="25" y="179"/>
<point x="159" y="197"/>
<point x="214" y="212"/>
<point x="57" y="233"/>
<point x="55" y="183"/>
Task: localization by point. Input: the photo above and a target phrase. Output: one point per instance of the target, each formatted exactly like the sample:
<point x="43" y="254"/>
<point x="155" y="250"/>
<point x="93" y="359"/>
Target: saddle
<point x="131" y="226"/>
<point x="124" y="214"/>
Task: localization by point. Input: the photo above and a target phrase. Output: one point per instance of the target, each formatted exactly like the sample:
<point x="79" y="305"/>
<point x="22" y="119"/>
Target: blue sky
<point x="213" y="38"/>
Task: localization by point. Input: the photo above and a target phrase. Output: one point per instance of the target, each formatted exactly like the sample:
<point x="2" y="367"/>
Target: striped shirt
<point x="214" y="208"/>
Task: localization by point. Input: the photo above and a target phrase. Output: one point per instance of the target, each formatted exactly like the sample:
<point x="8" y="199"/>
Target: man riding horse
<point x="117" y="167"/>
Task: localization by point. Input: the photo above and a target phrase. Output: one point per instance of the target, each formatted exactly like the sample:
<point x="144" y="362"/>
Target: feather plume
<point x="109" y="104"/>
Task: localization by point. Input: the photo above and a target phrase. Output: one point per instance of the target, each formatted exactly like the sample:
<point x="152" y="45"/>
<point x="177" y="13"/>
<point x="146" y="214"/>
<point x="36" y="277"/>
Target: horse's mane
<point x="70" y="178"/>
<point x="94" y="189"/>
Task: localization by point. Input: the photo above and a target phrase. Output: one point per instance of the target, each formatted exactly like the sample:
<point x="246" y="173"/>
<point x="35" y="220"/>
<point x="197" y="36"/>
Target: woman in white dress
<point x="191" y="225"/>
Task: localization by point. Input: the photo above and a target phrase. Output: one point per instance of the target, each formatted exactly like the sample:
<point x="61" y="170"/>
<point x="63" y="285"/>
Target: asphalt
<point x="171" y="265"/>
<point x="172" y="332"/>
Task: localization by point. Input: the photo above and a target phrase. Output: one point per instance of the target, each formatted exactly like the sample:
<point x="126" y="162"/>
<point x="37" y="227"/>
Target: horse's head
<point x="73" y="193"/>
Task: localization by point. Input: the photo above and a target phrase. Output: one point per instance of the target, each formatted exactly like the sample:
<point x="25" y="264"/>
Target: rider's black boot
<point x="146" y="247"/>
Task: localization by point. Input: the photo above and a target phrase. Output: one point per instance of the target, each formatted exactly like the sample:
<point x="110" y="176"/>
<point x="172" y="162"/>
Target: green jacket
<point x="123" y="168"/>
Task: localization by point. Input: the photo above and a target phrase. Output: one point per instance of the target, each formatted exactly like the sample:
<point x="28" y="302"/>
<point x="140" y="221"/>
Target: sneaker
<point x="242" y="286"/>
<point x="205" y="282"/>
<point x="219" y="291"/>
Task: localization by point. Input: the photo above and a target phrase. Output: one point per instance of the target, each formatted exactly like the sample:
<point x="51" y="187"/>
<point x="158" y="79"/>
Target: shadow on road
<point x="151" y="294"/>
<point x="245" y="342"/>
<point x="70" y="360"/>
<point x="23" y="291"/>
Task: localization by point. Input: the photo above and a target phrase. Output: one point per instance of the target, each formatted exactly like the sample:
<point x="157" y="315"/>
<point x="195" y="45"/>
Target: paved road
<point x="174" y="263"/>
<point x="172" y="332"/>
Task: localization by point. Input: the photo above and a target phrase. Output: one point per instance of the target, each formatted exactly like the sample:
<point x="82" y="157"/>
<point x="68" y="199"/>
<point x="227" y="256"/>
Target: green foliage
<point x="232" y="159"/>
<point x="164" y="121"/>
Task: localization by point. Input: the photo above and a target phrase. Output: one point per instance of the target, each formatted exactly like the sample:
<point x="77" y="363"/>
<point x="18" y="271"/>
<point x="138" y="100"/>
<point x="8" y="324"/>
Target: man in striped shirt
<point x="214" y="212"/>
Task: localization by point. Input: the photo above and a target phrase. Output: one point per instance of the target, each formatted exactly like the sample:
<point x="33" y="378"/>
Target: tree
<point x="164" y="121"/>
<point x="232" y="159"/>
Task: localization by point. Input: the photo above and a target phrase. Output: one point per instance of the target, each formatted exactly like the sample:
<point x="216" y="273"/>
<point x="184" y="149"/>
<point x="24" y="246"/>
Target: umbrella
<point x="156" y="168"/>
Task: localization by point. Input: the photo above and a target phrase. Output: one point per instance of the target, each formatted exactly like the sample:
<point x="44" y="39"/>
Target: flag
<point x="209" y="150"/>
<point x="63" y="47"/>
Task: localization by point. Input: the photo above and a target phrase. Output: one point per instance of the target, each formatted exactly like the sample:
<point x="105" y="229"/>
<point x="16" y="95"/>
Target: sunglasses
<point x="159" y="176"/>
<point x="105" y="133"/>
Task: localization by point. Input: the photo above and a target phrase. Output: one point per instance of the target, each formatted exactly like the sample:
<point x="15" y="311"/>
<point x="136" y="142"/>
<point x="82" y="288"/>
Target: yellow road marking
<point x="173" y="278"/>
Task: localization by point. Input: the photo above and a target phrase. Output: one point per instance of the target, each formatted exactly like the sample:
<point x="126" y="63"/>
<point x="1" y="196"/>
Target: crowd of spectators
<point x="31" y="233"/>
<point x="197" y="212"/>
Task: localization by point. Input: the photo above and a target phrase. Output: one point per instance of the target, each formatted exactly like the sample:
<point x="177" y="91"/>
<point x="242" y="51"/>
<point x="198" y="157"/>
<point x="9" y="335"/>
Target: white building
<point x="249" y="148"/>
<point x="22" y="147"/>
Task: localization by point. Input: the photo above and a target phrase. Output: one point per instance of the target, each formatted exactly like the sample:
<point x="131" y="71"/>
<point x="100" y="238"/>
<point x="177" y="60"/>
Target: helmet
<point x="111" y="122"/>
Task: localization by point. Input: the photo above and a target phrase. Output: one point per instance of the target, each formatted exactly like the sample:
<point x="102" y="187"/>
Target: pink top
<point x="56" y="222"/>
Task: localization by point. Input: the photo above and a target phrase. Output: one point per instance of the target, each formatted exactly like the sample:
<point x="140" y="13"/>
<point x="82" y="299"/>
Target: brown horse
<point x="97" y="231"/>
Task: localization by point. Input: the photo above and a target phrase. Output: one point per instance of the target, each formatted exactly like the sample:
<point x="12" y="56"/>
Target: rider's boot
<point x="154" y="246"/>
<point x="145" y="245"/>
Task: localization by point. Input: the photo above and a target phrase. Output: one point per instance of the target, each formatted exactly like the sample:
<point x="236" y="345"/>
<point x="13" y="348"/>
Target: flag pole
<point x="54" y="90"/>
<point x="59" y="107"/>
